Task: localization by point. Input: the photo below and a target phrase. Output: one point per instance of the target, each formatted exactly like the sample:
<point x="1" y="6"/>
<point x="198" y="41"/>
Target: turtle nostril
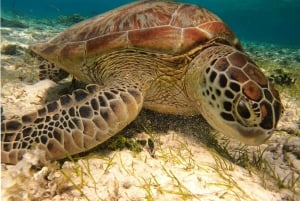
<point x="270" y="132"/>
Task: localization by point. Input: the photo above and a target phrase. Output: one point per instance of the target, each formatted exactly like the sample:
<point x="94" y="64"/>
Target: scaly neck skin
<point x="197" y="83"/>
<point x="195" y="79"/>
<point x="122" y="65"/>
<point x="159" y="79"/>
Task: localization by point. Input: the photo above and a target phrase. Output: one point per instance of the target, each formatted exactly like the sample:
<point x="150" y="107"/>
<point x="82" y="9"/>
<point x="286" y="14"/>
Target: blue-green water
<point x="267" y="21"/>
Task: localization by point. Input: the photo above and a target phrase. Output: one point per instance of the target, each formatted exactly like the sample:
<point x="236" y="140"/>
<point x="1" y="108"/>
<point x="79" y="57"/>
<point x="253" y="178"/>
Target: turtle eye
<point x="246" y="112"/>
<point x="242" y="110"/>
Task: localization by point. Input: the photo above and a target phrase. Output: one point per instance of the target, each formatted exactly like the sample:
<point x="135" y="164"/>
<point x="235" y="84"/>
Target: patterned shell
<point x="156" y="26"/>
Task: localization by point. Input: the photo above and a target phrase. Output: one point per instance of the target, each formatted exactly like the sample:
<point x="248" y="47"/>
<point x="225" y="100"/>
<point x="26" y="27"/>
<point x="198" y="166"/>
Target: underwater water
<point x="267" y="21"/>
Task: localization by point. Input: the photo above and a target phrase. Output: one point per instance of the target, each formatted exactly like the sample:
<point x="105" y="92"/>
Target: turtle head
<point x="233" y="94"/>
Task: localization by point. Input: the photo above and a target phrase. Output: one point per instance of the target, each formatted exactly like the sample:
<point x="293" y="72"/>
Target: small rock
<point x="294" y="161"/>
<point x="293" y="145"/>
<point x="9" y="49"/>
<point x="69" y="20"/>
<point x="12" y="23"/>
<point x="297" y="58"/>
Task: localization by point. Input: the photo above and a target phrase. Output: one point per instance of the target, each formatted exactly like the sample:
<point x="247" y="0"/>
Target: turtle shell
<point x="156" y="26"/>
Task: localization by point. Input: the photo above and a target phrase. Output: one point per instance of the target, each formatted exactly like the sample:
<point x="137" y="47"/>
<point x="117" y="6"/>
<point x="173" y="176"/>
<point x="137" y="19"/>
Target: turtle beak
<point x="253" y="136"/>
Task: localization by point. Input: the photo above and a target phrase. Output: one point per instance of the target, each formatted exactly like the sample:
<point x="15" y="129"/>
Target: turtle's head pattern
<point x="235" y="96"/>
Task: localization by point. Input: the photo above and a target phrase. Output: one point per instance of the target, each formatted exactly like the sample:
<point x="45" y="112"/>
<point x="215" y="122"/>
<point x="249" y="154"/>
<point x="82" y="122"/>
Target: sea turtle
<point x="165" y="56"/>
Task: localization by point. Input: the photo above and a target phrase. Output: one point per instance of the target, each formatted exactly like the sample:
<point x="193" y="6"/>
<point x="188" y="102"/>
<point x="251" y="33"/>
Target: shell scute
<point x="73" y="52"/>
<point x="215" y="28"/>
<point x="183" y="18"/>
<point x="159" y="39"/>
<point x="136" y="16"/>
<point x="192" y="37"/>
<point x="101" y="44"/>
<point x="157" y="26"/>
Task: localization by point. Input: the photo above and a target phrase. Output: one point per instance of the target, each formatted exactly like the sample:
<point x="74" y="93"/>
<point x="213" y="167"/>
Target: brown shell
<point x="157" y="26"/>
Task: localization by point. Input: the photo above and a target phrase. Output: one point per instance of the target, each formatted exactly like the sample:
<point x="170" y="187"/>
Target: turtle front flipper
<point x="48" y="70"/>
<point x="73" y="124"/>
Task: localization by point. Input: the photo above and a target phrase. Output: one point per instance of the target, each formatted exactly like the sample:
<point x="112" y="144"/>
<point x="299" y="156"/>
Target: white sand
<point x="183" y="169"/>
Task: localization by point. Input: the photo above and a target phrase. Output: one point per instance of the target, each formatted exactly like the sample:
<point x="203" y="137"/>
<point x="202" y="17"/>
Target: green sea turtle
<point x="165" y="56"/>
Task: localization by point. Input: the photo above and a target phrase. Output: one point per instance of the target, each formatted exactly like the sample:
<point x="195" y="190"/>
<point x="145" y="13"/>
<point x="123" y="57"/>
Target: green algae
<point x="121" y="142"/>
<point x="281" y="66"/>
<point x="285" y="78"/>
<point x="13" y="23"/>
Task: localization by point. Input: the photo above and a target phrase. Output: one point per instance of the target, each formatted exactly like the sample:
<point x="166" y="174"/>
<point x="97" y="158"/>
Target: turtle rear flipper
<point x="73" y="124"/>
<point x="48" y="70"/>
